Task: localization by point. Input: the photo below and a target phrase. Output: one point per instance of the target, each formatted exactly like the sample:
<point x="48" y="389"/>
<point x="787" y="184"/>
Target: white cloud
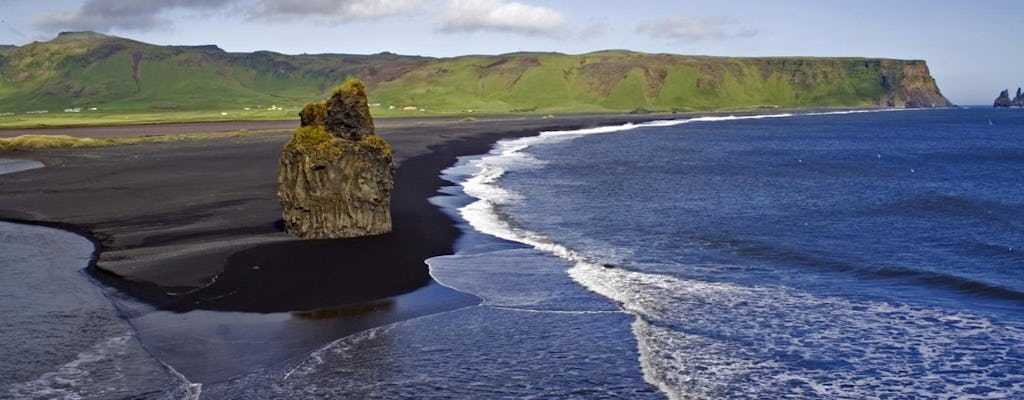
<point x="595" y="30"/>
<point x="104" y="15"/>
<point x="691" y="29"/>
<point x="145" y="15"/>
<point x="333" y="10"/>
<point x="500" y="16"/>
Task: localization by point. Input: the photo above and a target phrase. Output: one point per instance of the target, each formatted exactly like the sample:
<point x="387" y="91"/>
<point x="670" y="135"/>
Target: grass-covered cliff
<point x="89" y="70"/>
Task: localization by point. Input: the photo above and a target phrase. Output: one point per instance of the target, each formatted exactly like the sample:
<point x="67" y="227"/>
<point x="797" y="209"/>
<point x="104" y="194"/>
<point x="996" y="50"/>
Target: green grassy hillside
<point x="106" y="75"/>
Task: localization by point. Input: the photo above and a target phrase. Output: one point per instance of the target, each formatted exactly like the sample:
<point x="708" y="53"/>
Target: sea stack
<point x="336" y="174"/>
<point x="1003" y="100"/>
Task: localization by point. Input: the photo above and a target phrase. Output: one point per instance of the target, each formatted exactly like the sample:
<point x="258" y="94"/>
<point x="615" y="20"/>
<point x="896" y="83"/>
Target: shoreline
<point x="228" y="251"/>
<point x="246" y="320"/>
<point x="137" y="252"/>
<point x="259" y="125"/>
<point x="321" y="339"/>
<point x="237" y="322"/>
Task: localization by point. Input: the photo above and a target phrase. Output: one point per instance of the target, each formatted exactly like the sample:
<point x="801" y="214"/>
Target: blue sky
<point x="972" y="47"/>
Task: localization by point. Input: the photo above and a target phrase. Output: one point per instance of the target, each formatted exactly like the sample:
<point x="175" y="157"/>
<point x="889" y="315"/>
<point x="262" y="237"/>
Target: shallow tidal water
<point x="62" y="337"/>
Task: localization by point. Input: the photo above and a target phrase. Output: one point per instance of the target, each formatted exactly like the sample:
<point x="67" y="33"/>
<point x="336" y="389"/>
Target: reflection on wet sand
<point x="347" y="311"/>
<point x="213" y="346"/>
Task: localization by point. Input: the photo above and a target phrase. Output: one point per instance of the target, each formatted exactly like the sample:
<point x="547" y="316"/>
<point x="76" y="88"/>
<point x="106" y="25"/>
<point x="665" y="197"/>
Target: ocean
<point x="834" y="255"/>
<point x="839" y="255"/>
<point x="62" y="337"/>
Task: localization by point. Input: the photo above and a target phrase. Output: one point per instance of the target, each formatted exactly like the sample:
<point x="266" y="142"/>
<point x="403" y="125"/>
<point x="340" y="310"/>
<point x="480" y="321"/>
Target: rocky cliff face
<point x="90" y="70"/>
<point x="336" y="174"/>
<point x="1004" y="99"/>
<point x="909" y="84"/>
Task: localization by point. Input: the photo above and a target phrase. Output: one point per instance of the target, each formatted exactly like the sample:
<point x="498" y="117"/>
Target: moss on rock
<point x="313" y="114"/>
<point x="348" y="112"/>
<point x="336" y="174"/>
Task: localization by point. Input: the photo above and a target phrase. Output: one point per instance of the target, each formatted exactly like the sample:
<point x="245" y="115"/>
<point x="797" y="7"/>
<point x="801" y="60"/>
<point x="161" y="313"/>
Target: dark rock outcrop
<point x="909" y="84"/>
<point x="336" y="174"/>
<point x="1003" y="100"/>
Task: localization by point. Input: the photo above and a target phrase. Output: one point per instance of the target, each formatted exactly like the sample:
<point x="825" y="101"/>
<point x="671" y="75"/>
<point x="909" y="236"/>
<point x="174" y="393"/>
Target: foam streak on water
<point x="782" y="342"/>
<point x="512" y="154"/>
<point x="112" y="369"/>
<point x="61" y="337"/>
<point x="725" y="340"/>
<point x="484" y="215"/>
<point x="477" y="352"/>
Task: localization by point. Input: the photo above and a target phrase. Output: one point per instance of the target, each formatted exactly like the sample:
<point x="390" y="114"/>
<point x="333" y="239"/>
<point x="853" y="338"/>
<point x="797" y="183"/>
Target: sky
<point x="972" y="47"/>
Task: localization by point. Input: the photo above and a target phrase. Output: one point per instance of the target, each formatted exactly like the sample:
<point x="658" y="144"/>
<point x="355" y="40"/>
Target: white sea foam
<point x="474" y="353"/>
<point x="484" y="214"/>
<point x="54" y="310"/>
<point x="719" y="340"/>
<point x="69" y="380"/>
<point x="113" y="368"/>
<point x="184" y="389"/>
<point x="722" y="340"/>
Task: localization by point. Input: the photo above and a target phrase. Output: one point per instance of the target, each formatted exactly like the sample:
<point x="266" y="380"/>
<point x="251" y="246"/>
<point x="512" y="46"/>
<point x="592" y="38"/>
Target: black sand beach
<point x="195" y="225"/>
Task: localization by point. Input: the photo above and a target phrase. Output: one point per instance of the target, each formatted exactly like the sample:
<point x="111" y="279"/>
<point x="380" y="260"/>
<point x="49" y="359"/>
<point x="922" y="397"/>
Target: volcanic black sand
<point x="195" y="225"/>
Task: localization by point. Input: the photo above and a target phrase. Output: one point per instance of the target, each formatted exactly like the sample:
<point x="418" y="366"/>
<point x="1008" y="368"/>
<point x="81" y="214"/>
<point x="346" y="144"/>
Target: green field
<point x="107" y="118"/>
<point x="29" y="142"/>
<point x="102" y="79"/>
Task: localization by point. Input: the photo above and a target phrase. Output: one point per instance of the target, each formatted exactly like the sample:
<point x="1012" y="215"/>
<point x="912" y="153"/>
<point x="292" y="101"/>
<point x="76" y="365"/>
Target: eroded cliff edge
<point x="336" y="175"/>
<point x="909" y="84"/>
<point x="88" y="70"/>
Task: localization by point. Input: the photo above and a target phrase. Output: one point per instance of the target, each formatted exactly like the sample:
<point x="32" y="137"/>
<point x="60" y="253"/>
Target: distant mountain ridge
<point x="88" y="69"/>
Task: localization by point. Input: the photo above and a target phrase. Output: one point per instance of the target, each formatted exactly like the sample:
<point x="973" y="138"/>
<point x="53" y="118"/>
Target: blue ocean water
<point x="844" y="255"/>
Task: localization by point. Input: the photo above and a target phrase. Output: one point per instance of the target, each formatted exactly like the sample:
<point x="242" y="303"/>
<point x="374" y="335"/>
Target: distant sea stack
<point x="1004" y="99"/>
<point x="336" y="174"/>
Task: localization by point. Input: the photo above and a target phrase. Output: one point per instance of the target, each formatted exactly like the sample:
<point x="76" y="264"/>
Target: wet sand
<point x="196" y="225"/>
<point x="190" y="228"/>
<point x="153" y="129"/>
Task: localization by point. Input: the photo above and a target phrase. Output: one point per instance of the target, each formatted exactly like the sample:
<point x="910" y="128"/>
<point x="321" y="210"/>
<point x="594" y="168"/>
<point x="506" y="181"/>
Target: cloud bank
<point x="333" y="10"/>
<point x="500" y="16"/>
<point x="146" y="15"/>
<point x="104" y="15"/>
<point x="691" y="29"/>
<point x="455" y="16"/>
